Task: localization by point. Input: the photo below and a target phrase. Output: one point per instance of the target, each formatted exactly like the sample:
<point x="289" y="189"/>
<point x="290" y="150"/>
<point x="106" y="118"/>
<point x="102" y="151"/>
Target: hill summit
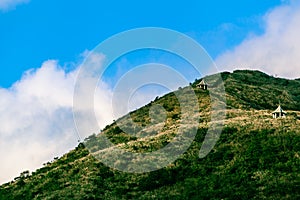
<point x="256" y="156"/>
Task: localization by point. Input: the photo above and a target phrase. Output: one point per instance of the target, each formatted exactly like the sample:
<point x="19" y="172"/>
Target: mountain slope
<point x="253" y="89"/>
<point x="255" y="157"/>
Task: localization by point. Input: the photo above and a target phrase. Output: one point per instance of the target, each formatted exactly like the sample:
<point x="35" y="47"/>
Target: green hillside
<point x="256" y="157"/>
<point x="254" y="89"/>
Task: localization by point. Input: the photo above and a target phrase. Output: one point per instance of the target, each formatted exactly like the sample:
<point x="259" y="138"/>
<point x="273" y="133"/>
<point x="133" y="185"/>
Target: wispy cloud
<point x="10" y="4"/>
<point x="276" y="51"/>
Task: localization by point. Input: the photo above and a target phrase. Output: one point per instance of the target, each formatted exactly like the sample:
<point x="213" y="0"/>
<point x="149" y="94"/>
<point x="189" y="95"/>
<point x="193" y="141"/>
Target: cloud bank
<point x="37" y="120"/>
<point x="11" y="4"/>
<point x="36" y="116"/>
<point x="276" y="51"/>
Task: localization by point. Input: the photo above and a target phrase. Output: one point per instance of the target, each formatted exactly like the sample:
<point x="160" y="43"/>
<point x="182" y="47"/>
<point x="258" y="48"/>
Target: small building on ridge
<point x="279" y="113"/>
<point x="202" y="85"/>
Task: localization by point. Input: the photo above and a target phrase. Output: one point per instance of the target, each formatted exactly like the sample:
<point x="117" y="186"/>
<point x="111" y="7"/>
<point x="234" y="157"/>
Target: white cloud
<point x="37" y="120"/>
<point x="10" y="4"/>
<point x="36" y="115"/>
<point x="276" y="51"/>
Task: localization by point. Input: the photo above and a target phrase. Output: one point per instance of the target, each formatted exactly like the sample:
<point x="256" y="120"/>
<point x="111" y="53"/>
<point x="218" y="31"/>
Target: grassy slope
<point x="255" y="157"/>
<point x="254" y="89"/>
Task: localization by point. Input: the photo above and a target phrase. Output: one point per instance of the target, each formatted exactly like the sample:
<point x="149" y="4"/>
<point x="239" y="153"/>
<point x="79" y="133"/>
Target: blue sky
<point x="34" y="32"/>
<point x="42" y="44"/>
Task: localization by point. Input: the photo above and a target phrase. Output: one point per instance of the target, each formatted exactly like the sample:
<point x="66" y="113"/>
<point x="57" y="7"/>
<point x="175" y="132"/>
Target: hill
<point x="255" y="157"/>
<point x="254" y="89"/>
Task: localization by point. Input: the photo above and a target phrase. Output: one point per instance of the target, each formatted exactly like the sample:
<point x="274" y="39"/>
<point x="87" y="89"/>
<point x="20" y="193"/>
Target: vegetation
<point x="253" y="89"/>
<point x="256" y="156"/>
